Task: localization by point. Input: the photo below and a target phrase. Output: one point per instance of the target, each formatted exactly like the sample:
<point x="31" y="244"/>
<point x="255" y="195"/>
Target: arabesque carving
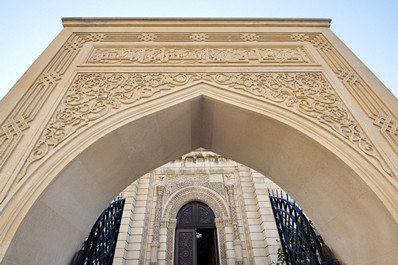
<point x="37" y="94"/>
<point x="376" y="110"/>
<point x="33" y="100"/>
<point x="178" y="182"/>
<point x="197" y="55"/>
<point x="94" y="95"/>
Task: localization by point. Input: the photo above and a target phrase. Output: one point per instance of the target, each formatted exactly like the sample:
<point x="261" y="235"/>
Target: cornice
<point x="195" y="22"/>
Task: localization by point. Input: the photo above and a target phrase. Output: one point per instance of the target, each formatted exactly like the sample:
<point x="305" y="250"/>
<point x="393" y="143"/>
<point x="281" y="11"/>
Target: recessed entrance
<point x="196" y="236"/>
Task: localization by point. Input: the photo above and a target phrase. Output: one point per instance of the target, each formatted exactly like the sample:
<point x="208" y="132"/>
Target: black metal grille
<point x="300" y="244"/>
<point x="99" y="248"/>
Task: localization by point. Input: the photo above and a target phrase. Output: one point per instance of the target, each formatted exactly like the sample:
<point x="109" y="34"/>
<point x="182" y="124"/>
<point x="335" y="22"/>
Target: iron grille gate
<point x="300" y="244"/>
<point x="99" y="248"/>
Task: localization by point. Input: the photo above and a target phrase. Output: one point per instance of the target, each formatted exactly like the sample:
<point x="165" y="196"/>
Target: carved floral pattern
<point x="179" y="182"/>
<point x="308" y="93"/>
<point x="32" y="102"/>
<point x="187" y="216"/>
<point x="94" y="95"/>
<point x="204" y="216"/>
<point x="185" y="247"/>
<point x="372" y="105"/>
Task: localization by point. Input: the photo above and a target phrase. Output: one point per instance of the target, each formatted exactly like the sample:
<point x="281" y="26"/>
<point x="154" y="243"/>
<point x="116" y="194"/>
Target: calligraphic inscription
<point x="179" y="55"/>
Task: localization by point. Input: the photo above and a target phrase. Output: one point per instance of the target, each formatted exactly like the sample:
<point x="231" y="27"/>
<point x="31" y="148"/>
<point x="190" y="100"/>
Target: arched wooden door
<point x="196" y="236"/>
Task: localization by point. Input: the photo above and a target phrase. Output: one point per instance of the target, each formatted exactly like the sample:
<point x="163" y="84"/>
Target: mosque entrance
<point x="113" y="99"/>
<point x="196" y="237"/>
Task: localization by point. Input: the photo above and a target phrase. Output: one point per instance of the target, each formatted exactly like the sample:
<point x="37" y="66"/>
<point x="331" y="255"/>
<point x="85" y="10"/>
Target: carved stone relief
<point x="201" y="56"/>
<point x="201" y="194"/>
<point x="23" y="114"/>
<point x="19" y="120"/>
<point x="177" y="182"/>
<point x="145" y="230"/>
<point x="93" y="96"/>
<point x="376" y="110"/>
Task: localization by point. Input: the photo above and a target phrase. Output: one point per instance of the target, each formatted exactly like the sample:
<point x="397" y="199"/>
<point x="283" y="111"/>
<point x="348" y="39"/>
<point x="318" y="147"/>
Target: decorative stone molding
<point x="148" y="37"/>
<point x="180" y="181"/>
<point x="10" y="133"/>
<point x="199" y="55"/>
<point x="356" y="85"/>
<point x="32" y="102"/>
<point x="199" y="37"/>
<point x="19" y="120"/>
<point x="145" y="231"/>
<point x="195" y="193"/>
<point x="237" y="242"/>
<point x="250" y="37"/>
<point x="34" y="99"/>
<point x="157" y="223"/>
<point x="40" y="90"/>
<point x="93" y="96"/>
<point x="170" y="241"/>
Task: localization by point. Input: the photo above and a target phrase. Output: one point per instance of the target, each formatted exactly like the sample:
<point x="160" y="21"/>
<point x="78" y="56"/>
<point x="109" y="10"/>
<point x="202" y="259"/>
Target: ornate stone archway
<point x="110" y="100"/>
<point x="194" y="193"/>
<point x="200" y="194"/>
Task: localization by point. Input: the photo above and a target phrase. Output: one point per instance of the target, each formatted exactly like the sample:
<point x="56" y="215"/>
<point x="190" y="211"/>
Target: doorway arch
<point x="343" y="189"/>
<point x="205" y="196"/>
<point x="315" y="176"/>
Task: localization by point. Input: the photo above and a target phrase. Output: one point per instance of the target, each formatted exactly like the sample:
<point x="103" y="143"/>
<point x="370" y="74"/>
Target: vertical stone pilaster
<point x="172" y="224"/>
<point x="221" y="240"/>
<point x="237" y="242"/>
<point x="156" y="232"/>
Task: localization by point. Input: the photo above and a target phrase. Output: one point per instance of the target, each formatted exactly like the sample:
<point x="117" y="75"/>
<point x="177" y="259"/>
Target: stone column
<point x="171" y="227"/>
<point x="234" y="217"/>
<point x="221" y="239"/>
<point x="156" y="231"/>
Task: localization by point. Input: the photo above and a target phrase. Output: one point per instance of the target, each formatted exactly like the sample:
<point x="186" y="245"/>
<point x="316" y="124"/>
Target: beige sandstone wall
<point x="202" y="170"/>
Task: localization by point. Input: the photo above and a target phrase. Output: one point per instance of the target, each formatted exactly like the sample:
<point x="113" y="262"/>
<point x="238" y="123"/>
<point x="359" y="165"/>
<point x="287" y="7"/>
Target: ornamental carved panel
<point x="158" y="48"/>
<point x="199" y="55"/>
<point x="222" y="48"/>
<point x="178" y="182"/>
<point x="204" y="217"/>
<point x="186" y="216"/>
<point x="185" y="247"/>
<point x="93" y="96"/>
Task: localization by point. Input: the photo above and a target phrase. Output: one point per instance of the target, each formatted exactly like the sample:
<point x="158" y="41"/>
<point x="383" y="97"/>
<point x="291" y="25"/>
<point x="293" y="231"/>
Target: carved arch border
<point x="201" y="194"/>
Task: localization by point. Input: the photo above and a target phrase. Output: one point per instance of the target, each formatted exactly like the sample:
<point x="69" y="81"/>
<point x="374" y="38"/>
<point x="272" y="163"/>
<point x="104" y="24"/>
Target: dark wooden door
<point x="186" y="247"/>
<point x="196" y="237"/>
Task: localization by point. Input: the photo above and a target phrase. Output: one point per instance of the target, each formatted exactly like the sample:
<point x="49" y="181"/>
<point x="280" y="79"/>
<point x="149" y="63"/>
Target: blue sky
<point x="368" y="28"/>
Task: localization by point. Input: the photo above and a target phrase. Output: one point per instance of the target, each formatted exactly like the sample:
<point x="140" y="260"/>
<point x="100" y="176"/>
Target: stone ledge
<point x="195" y="22"/>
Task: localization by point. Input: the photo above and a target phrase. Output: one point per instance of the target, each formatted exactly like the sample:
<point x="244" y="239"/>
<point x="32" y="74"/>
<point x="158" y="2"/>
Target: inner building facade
<point x="199" y="199"/>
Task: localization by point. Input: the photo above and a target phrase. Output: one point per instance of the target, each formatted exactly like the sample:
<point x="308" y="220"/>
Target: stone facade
<point x="112" y="99"/>
<point x="237" y="195"/>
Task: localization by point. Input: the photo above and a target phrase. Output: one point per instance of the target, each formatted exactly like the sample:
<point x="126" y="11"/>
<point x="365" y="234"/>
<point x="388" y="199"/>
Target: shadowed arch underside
<point x="335" y="196"/>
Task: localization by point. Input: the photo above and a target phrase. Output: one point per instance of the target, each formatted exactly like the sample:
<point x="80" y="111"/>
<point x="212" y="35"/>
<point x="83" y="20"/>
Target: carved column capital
<point x="160" y="190"/>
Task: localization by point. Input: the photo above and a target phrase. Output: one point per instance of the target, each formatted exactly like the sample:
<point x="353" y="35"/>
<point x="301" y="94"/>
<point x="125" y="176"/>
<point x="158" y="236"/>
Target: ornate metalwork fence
<point x="99" y="248"/>
<point x="300" y="244"/>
